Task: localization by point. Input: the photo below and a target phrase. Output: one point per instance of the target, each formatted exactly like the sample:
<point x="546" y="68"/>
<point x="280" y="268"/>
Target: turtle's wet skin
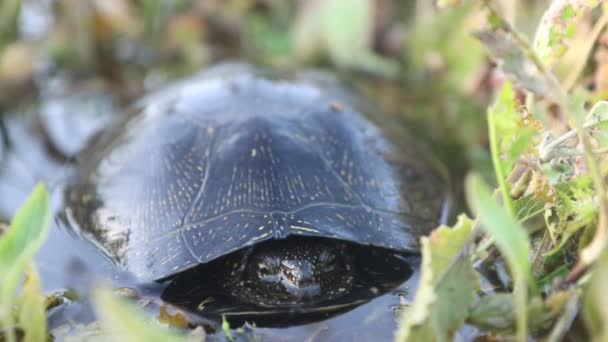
<point x="258" y="193"/>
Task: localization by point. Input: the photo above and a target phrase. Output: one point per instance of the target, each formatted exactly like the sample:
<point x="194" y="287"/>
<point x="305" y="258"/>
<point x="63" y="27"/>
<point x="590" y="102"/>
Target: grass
<point x="17" y="248"/>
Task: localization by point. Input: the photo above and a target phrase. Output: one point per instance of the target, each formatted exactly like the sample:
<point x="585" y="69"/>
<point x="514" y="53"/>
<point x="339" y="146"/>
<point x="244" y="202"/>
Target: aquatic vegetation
<point x="18" y="245"/>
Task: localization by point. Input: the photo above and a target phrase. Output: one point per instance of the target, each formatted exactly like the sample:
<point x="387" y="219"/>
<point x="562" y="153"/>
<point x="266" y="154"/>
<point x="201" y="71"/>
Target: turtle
<point x="275" y="186"/>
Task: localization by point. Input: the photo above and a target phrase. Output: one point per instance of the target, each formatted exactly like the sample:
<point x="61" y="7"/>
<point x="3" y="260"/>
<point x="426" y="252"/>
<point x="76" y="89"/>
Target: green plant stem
<point x="498" y="169"/>
<point x="561" y="327"/>
<point x="226" y="329"/>
<point x="540" y="251"/>
<point x="520" y="291"/>
<point x="482" y="247"/>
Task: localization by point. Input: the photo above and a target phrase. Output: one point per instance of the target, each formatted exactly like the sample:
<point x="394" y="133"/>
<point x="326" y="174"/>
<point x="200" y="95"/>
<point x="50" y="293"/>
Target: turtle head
<point x="298" y="271"/>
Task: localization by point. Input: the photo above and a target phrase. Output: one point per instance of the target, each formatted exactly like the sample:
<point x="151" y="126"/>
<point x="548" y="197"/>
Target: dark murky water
<point x="68" y="262"/>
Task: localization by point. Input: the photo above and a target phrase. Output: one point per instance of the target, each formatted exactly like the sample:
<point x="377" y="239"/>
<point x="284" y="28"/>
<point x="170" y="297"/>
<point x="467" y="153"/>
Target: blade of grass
<point x="124" y="322"/>
<point x="501" y="177"/>
<point x="510" y="238"/>
<point x="32" y="316"/>
<point x="18" y="247"/>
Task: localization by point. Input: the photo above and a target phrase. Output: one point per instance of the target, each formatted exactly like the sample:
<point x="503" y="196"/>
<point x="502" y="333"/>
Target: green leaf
<point x="447" y="286"/>
<point x="415" y="325"/>
<point x="456" y="292"/>
<point x="18" y="246"/>
<point x="508" y="234"/>
<point x="496" y="311"/>
<point x="501" y="122"/>
<point x="556" y="26"/>
<point x="575" y="208"/>
<point x="32" y="317"/>
<point x="226" y="329"/>
<point x="528" y="208"/>
<point x="503" y="117"/>
<point x="520" y="142"/>
<point x="123" y="322"/>
<point x="568" y="12"/>
<point x="510" y="238"/>
<point x="597" y="122"/>
<point x="598" y="113"/>
<point x="447" y="242"/>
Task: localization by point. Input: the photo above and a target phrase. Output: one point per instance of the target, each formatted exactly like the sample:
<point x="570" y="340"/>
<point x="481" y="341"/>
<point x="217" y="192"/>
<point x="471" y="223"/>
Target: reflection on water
<point x="24" y="162"/>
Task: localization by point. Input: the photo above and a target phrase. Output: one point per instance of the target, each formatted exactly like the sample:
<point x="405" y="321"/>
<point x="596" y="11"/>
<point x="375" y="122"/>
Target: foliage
<point x="538" y="170"/>
<point x="558" y="26"/>
<point x="123" y="322"/>
<point x="511" y="239"/>
<point x="27" y="312"/>
<point x="17" y="248"/>
<point x="447" y="286"/>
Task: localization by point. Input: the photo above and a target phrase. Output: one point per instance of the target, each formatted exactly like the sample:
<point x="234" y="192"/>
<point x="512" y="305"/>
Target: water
<point x="66" y="261"/>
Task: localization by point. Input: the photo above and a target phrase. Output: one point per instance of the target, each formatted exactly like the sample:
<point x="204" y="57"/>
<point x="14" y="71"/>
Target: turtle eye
<point x="264" y="270"/>
<point x="327" y="259"/>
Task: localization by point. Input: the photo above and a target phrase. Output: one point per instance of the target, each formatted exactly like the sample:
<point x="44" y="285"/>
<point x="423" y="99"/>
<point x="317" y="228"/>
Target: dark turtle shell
<point x="233" y="157"/>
